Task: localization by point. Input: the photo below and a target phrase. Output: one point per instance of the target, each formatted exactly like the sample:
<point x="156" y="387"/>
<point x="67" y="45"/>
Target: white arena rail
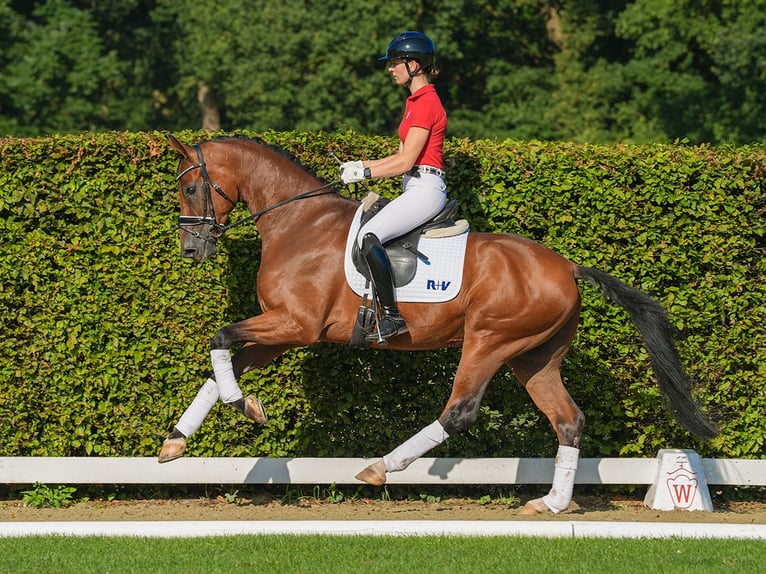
<point x="434" y="471"/>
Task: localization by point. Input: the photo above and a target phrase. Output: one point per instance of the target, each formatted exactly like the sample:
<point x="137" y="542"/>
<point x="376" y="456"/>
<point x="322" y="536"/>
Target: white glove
<point x="351" y="171"/>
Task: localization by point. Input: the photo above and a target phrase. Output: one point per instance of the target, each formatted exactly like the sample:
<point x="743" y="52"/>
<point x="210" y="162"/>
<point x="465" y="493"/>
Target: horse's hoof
<point x="255" y="411"/>
<point x="375" y="474"/>
<point x="172" y="448"/>
<point x="536" y="506"/>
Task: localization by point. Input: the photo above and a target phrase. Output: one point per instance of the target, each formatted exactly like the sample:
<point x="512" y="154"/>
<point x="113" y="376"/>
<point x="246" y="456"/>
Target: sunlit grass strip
<point x="370" y="554"/>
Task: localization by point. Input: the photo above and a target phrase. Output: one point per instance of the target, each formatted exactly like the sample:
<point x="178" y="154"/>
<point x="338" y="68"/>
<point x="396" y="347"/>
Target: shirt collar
<point x="428" y="88"/>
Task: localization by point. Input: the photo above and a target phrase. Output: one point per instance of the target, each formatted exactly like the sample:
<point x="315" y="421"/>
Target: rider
<point x="411" y="58"/>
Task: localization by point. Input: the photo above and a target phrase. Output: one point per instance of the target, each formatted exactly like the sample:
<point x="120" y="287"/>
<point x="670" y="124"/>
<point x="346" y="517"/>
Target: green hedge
<point x="106" y="329"/>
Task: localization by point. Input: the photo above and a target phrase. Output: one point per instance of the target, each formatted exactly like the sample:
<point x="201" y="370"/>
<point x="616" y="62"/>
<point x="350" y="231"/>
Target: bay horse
<point x="519" y="306"/>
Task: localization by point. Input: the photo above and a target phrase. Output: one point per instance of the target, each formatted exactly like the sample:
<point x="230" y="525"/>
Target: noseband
<point x="216" y="229"/>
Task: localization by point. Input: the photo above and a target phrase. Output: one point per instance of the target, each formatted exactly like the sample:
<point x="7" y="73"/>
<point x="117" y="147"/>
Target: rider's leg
<point x="391" y="322"/>
<point x="422" y="199"/>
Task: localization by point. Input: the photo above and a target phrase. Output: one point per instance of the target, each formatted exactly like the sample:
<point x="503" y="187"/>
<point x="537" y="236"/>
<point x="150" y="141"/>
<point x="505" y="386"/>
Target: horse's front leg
<point x="460" y="412"/>
<point x="405" y="454"/>
<point x="228" y="389"/>
<point x="251" y="356"/>
<point x="271" y="334"/>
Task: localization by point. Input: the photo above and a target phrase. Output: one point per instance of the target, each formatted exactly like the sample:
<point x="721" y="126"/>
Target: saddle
<point x="403" y="254"/>
<point x="403" y="250"/>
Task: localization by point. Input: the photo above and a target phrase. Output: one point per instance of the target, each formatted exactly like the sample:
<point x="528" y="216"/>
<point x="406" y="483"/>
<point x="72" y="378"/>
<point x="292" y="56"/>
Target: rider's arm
<point x="404" y="159"/>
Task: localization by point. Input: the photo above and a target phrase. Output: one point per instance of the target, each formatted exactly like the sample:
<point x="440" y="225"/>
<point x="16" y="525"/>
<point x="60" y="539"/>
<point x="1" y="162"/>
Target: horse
<point x="518" y="306"/>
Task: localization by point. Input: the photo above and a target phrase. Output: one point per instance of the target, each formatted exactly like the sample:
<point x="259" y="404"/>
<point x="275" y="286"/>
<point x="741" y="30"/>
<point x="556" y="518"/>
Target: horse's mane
<point x="275" y="148"/>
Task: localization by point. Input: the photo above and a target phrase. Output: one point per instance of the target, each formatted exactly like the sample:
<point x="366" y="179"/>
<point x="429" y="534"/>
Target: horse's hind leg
<point x="477" y="366"/>
<point x="539" y="372"/>
<point x="191" y="420"/>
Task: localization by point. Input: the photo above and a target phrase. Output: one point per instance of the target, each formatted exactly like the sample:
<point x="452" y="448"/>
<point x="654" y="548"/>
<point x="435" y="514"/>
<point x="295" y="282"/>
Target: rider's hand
<point x="351" y="171"/>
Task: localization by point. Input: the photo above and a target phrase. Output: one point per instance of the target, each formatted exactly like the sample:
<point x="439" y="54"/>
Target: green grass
<point x="324" y="554"/>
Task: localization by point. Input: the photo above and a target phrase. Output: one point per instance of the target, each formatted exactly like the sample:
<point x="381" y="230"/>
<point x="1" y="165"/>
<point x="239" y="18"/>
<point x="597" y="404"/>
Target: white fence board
<point x="189" y="470"/>
<point x="735" y="472"/>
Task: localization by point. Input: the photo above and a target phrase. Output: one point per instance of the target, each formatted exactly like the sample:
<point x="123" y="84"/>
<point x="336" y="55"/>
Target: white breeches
<point x="423" y="198"/>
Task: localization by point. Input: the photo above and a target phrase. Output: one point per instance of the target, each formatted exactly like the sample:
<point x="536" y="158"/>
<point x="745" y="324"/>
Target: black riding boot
<point x="391" y="322"/>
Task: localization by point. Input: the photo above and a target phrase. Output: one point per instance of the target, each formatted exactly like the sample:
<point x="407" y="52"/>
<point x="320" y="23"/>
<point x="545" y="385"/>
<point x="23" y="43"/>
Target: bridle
<point x="215" y="229"/>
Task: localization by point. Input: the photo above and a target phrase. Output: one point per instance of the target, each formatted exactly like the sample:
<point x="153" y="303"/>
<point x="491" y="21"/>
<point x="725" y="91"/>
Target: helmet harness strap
<point x="410" y="73"/>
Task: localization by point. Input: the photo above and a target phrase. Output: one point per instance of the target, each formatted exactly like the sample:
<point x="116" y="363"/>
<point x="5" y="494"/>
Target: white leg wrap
<point x="415" y="447"/>
<point x="565" y="467"/>
<point x="224" y="375"/>
<point x="193" y="416"/>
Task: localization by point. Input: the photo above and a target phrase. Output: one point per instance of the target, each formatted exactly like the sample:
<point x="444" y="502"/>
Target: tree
<point x="53" y="68"/>
<point x="661" y="70"/>
<point x="591" y="71"/>
<point x="312" y="66"/>
<point x="70" y="66"/>
<point x="499" y="68"/>
<point x="288" y="64"/>
<point x="702" y="75"/>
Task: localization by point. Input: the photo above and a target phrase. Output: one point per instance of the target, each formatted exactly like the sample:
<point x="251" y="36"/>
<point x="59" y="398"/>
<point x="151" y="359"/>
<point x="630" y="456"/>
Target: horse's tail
<point x="657" y="333"/>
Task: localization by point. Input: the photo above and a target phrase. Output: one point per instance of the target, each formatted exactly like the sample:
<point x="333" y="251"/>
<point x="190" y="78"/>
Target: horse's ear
<point x="178" y="146"/>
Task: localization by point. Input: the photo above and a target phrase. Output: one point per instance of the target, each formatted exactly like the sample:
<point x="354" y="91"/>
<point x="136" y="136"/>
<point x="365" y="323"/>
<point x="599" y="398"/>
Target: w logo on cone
<point x="682" y="485"/>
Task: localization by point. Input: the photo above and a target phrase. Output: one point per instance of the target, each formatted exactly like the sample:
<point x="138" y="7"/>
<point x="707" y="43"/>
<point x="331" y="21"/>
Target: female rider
<point x="411" y="58"/>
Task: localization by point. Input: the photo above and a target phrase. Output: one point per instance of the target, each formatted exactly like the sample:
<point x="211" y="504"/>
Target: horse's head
<point x="205" y="205"/>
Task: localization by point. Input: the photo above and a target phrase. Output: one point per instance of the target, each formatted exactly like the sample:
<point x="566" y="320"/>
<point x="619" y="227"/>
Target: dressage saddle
<point x="403" y="251"/>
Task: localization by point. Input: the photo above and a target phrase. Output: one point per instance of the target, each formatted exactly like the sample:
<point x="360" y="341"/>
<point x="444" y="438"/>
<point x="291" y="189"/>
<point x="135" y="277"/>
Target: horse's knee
<point x="460" y="416"/>
<point x="221" y="340"/>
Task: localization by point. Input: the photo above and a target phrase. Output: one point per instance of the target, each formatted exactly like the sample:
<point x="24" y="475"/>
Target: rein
<point x="216" y="229"/>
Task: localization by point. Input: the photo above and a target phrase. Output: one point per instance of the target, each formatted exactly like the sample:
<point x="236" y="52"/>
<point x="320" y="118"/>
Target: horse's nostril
<point x="188" y="253"/>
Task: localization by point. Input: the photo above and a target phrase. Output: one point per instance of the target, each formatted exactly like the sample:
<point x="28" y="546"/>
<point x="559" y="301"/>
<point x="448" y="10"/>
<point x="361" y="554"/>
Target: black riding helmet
<point x="412" y="46"/>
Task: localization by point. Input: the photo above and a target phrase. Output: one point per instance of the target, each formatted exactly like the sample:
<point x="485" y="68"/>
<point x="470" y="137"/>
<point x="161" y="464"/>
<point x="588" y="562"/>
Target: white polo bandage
<point x="193" y="416"/>
<point x="224" y="375"/>
<point x="564" y="471"/>
<point x="415" y="447"/>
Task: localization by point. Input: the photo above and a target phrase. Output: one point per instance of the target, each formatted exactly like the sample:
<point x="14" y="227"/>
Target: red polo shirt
<point x="424" y="109"/>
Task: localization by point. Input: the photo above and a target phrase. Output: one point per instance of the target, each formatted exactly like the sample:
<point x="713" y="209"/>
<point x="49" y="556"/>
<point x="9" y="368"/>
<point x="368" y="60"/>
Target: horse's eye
<point x="190" y="190"/>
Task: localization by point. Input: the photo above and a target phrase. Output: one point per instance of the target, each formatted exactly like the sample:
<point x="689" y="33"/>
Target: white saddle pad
<point x="437" y="281"/>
